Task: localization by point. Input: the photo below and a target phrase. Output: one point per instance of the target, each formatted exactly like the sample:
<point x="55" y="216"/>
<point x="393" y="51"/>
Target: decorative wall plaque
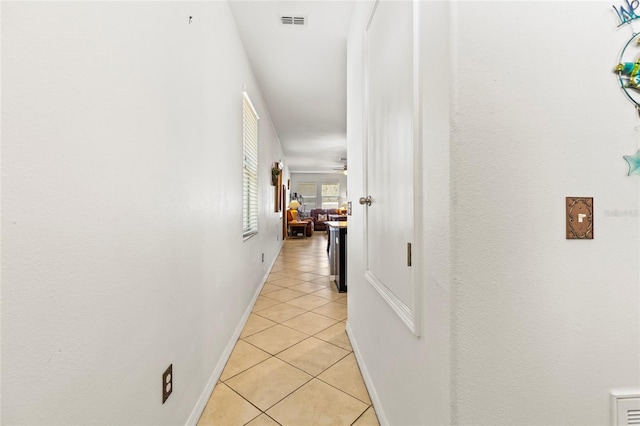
<point x="628" y="67"/>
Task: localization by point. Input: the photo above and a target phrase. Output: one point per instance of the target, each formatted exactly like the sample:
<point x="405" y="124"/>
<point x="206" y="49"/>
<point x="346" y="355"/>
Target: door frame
<point x="283" y="201"/>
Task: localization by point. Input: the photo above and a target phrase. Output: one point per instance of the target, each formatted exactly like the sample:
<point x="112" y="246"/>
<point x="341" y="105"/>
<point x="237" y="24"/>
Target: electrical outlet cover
<point x="167" y="383"/>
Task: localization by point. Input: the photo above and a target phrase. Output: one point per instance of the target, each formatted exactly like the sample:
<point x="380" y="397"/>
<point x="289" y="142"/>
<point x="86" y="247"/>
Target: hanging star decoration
<point x="634" y="163"/>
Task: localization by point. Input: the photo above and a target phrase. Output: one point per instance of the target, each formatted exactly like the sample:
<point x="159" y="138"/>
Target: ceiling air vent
<point x="292" y="20"/>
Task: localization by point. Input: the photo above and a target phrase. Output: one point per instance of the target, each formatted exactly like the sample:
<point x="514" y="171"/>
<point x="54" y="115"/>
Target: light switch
<point x="579" y="218"/>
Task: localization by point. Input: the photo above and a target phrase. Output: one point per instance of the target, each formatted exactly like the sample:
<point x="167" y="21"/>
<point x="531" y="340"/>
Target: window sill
<point x="249" y="235"/>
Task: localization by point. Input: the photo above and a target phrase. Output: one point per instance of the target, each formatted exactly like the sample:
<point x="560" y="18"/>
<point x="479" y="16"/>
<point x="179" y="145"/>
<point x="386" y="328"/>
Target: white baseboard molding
<point x="368" y="382"/>
<point x="217" y="372"/>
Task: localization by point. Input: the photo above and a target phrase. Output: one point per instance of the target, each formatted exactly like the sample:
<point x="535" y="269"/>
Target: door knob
<point x="366" y="200"/>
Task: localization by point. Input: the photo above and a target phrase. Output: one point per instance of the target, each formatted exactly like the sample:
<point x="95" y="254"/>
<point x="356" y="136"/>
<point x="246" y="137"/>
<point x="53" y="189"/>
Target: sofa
<point x="320" y="216"/>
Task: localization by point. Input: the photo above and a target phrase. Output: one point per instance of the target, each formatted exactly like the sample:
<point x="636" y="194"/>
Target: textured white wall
<point x="122" y="245"/>
<point x="543" y="327"/>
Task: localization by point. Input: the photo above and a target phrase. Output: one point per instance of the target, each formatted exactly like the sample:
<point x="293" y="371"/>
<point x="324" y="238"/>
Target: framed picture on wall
<point x="276" y="175"/>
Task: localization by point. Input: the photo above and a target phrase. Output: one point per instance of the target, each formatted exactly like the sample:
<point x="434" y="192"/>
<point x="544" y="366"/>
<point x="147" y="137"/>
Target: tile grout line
<point x="362" y="414"/>
<point x="287" y="258"/>
<point x="368" y="404"/>
<point x="261" y="413"/>
<point x="284" y="397"/>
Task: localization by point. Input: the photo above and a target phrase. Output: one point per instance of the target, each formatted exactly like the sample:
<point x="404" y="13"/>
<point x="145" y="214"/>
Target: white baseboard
<point x="368" y="382"/>
<point x="217" y="372"/>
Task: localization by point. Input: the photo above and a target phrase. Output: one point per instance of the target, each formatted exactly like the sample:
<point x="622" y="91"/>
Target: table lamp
<point x="343" y="207"/>
<point x="293" y="206"/>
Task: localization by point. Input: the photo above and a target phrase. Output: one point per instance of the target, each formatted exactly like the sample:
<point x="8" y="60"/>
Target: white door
<point x="390" y="148"/>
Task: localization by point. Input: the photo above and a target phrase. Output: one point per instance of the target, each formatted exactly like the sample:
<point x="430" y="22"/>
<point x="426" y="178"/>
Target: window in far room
<point x="249" y="168"/>
<point x="308" y="192"/>
<point x="330" y="194"/>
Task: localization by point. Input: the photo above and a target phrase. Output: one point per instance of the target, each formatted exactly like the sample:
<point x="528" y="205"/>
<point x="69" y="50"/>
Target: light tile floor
<point x="293" y="364"/>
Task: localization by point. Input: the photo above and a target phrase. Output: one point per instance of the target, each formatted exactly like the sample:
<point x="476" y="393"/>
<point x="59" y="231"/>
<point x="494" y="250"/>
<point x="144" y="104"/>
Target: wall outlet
<point x="167" y="383"/>
<point x="262" y="257"/>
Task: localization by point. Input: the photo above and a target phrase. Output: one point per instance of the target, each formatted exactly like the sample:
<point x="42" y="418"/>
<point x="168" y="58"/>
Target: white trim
<point x="332" y="172"/>
<point x="374" y="6"/>
<point x="246" y="96"/>
<point x="410" y="314"/>
<point x="365" y="137"/>
<point x="201" y="404"/>
<point x="418" y="201"/>
<point x="248" y="235"/>
<point x="368" y="381"/>
<point x="403" y="311"/>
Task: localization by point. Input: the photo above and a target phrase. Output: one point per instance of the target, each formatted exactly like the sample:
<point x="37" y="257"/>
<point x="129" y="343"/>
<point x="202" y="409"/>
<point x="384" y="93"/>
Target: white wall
<point x="319" y="179"/>
<point x="543" y="327"/>
<point x="122" y="245"/>
<point x="525" y="327"/>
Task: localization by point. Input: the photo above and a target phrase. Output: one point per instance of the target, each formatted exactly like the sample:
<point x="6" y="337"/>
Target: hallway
<point x="293" y="363"/>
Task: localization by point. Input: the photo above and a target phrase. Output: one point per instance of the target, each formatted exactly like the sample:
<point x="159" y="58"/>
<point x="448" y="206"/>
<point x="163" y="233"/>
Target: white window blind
<point x="308" y="192"/>
<point x="250" y="168"/>
<point x="330" y="194"/>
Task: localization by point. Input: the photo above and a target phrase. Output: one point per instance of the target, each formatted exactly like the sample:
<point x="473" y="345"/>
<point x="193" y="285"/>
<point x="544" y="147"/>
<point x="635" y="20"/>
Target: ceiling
<point x="301" y="70"/>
